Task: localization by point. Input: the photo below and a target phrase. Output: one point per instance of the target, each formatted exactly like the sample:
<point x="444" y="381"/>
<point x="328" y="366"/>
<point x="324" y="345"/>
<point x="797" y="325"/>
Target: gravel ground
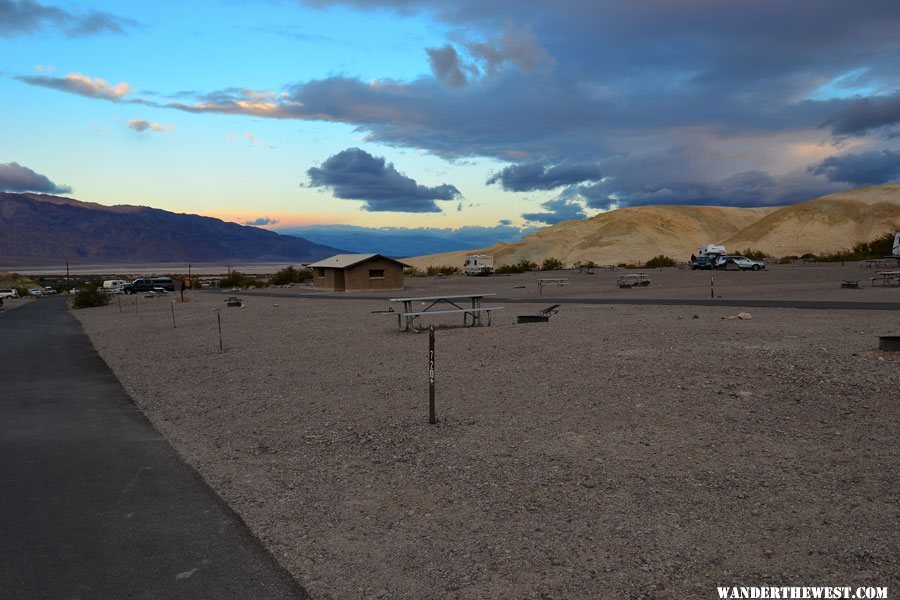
<point x="617" y="451"/>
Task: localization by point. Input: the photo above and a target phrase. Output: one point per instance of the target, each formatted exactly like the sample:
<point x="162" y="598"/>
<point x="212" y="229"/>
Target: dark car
<point x="148" y="285"/>
<point x="702" y="262"/>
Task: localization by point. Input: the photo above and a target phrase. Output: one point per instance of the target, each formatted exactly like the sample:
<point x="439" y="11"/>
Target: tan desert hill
<point x="636" y="234"/>
<point x="824" y="225"/>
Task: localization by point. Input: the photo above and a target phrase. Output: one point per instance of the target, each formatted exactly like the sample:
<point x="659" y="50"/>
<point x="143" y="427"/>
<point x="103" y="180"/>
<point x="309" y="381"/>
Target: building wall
<point x="356" y="278"/>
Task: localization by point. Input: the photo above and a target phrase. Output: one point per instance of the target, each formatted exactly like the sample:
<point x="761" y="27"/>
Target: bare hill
<point x="636" y="234"/>
<point x="827" y="224"/>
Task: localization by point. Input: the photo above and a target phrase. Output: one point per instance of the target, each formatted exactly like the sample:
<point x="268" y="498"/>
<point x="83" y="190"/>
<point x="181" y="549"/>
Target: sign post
<point x="431" y="417"/>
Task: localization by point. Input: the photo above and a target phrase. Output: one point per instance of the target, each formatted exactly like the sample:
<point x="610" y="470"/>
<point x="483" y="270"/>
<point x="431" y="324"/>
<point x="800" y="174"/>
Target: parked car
<point x="741" y="262"/>
<point x="35" y="292"/>
<point x="9" y="293"/>
<point x="702" y="262"/>
<point x="49" y="290"/>
<point x="147" y="285"/>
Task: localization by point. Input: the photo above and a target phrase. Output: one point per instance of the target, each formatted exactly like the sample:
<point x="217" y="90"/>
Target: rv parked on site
<point x="479" y="264"/>
<point x="114" y="286"/>
<point x="896" y="250"/>
<point x="711" y="250"/>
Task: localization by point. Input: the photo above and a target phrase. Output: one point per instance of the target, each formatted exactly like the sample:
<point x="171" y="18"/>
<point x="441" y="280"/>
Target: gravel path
<point x="617" y="451"/>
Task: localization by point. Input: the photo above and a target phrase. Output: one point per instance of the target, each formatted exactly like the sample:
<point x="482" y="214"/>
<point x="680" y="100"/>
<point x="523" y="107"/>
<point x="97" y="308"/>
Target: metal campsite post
<point x="219" y="319"/>
<point x="431" y="418"/>
<point x="119" y="298"/>
<point x="174" y="326"/>
<point x="712" y="287"/>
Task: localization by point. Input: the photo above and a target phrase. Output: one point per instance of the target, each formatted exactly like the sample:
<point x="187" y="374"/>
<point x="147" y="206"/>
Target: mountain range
<point x="636" y="234"/>
<point x="35" y="227"/>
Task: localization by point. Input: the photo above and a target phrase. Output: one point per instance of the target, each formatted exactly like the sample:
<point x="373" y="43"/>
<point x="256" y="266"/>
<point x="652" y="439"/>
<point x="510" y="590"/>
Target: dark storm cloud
<point x="19" y="17"/>
<point x="354" y="174"/>
<point x="558" y="210"/>
<point x="865" y="115"/>
<point x="868" y="168"/>
<point x="16" y="178"/>
<point x="540" y="176"/>
<point x="260" y="222"/>
<point x="445" y="65"/>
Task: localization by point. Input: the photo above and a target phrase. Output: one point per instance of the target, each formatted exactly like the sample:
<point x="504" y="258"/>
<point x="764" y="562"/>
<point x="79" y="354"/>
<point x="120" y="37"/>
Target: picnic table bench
<point x="408" y="318"/>
<point x="633" y="280"/>
<point x="887" y="278"/>
<point x="559" y="282"/>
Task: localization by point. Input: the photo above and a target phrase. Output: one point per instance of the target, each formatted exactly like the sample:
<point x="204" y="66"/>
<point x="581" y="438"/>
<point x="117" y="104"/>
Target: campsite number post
<point x="431" y="418"/>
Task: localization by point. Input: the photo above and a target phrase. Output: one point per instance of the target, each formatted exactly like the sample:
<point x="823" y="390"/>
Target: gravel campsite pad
<point x="616" y="451"/>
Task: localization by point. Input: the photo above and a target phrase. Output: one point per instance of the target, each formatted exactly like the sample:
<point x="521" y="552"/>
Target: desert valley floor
<point x="616" y="451"/>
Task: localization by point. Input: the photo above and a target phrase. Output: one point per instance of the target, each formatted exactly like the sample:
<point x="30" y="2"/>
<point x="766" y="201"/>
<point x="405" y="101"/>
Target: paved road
<point x="549" y="298"/>
<point x="94" y="503"/>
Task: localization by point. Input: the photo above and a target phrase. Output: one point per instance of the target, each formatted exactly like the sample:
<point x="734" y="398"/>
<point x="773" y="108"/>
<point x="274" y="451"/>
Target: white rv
<point x="479" y="264"/>
<point x="113" y="286"/>
<point x="896" y="250"/>
<point x="711" y="250"/>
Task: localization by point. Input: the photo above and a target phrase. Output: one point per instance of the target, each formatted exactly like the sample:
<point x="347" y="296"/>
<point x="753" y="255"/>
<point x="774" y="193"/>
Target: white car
<point x="7" y="293"/>
<point x="742" y="262"/>
<point x="35" y="292"/>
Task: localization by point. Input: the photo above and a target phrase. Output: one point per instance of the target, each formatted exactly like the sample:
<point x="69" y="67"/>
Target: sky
<point x="406" y="113"/>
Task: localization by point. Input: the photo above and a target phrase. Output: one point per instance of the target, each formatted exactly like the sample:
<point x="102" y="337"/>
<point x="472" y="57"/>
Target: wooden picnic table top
<point x="889" y="272"/>
<point x="445" y="297"/>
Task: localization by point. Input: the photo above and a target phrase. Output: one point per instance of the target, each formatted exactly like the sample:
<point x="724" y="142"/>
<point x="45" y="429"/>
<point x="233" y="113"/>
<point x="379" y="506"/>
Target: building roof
<point x="342" y="261"/>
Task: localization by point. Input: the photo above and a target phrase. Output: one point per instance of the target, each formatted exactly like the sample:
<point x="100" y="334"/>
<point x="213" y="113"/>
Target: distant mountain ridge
<point x="636" y="234"/>
<point x="53" y="228"/>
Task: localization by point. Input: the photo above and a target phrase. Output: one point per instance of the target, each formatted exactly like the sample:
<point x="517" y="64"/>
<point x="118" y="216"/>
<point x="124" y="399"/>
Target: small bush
<point x="433" y="270"/>
<point x="236" y="279"/>
<point x="520" y="267"/>
<point x="289" y="275"/>
<point x="659" y="261"/>
<point x="552" y="264"/>
<point x="413" y="272"/>
<point x="89" y="296"/>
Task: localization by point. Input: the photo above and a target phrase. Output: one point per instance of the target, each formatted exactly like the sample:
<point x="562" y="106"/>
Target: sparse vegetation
<point x="433" y="270"/>
<point x="90" y="295"/>
<point x="520" y="267"/>
<point x="754" y="254"/>
<point x="237" y="279"/>
<point x="552" y="264"/>
<point x="659" y="261"/>
<point x="413" y="272"/>
<point x="289" y="275"/>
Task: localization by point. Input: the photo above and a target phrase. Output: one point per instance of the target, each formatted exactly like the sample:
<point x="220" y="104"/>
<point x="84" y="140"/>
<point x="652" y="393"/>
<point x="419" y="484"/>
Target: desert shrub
<point x="520" y="267"/>
<point x="23" y="291"/>
<point x="754" y="254"/>
<point x="90" y="295"/>
<point x="413" y="272"/>
<point x="589" y="265"/>
<point x="290" y="275"/>
<point x="552" y="264"/>
<point x="808" y="256"/>
<point x="433" y="270"/>
<point x="786" y="260"/>
<point x="660" y="260"/>
<point x="236" y="279"/>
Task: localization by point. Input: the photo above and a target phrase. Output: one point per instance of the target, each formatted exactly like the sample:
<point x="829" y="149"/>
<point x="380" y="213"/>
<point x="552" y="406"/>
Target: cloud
<point x="541" y="176"/>
<point x="260" y="222"/>
<point x="16" y="178"/>
<point x="558" y="210"/>
<point x="141" y="125"/>
<point x="863" y="115"/>
<point x="19" y="17"/>
<point x="83" y="85"/>
<point x="868" y="168"/>
<point x="445" y="65"/>
<point x="354" y="174"/>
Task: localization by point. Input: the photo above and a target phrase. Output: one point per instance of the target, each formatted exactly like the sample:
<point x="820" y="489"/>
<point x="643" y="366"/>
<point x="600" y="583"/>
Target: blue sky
<point x="485" y="113"/>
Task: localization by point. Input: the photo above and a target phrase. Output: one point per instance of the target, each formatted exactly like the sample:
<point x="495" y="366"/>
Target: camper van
<point x="711" y="250"/>
<point x="113" y="286"/>
<point x="479" y="264"/>
<point x="896" y="249"/>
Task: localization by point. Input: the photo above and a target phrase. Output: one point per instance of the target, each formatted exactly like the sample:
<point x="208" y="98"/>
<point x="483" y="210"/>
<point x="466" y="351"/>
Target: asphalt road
<point x="94" y="503"/>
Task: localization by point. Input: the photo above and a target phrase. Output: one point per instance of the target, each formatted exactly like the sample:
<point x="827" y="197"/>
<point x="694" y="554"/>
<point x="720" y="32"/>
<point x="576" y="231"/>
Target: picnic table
<point x="633" y="279"/>
<point x="887" y="278"/>
<point x="437" y="305"/>
<point x="557" y="282"/>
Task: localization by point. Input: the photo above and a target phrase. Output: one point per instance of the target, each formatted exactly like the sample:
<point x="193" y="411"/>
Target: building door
<point x="339" y="280"/>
